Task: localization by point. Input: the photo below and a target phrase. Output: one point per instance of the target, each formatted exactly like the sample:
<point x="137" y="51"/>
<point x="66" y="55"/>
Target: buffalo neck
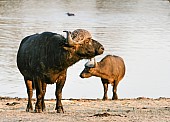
<point x="72" y="59"/>
<point x="67" y="59"/>
<point x="100" y="70"/>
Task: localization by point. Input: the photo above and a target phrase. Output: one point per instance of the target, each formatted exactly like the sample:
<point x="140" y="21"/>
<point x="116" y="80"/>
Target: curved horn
<point x="69" y="39"/>
<point x="91" y="64"/>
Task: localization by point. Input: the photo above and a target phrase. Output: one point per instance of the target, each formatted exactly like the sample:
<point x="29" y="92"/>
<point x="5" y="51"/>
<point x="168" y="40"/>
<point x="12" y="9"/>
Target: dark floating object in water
<point x="70" y="14"/>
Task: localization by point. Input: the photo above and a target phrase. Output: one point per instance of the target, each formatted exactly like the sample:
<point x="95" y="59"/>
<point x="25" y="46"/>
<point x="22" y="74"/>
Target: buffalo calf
<point x="111" y="69"/>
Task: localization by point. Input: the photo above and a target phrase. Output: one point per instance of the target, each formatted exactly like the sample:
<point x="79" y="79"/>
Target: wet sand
<point x="94" y="110"/>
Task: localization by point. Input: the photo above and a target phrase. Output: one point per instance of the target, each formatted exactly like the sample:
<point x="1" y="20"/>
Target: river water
<point x="136" y="30"/>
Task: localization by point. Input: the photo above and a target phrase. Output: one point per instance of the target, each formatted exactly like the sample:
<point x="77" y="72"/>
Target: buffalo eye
<point x="87" y="69"/>
<point x="88" y="41"/>
<point x="81" y="44"/>
<point x="90" y="70"/>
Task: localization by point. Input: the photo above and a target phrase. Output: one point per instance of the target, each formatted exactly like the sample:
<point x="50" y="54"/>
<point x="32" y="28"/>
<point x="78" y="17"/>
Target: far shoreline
<point x="85" y="99"/>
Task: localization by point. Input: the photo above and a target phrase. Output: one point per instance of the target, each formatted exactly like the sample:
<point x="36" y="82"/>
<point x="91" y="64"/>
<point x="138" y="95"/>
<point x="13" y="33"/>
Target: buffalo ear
<point x="70" y="49"/>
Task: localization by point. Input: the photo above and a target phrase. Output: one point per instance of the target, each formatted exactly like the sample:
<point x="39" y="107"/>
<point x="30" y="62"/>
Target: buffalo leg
<point x="105" y="86"/>
<point x="44" y="85"/>
<point x="115" y="97"/>
<point x="30" y="93"/>
<point x="59" y="86"/>
<point x="39" y="95"/>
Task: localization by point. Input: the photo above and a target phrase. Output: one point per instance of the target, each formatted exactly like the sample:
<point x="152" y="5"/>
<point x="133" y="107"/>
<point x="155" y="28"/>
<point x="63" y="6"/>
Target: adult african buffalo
<point x="111" y="69"/>
<point x="44" y="58"/>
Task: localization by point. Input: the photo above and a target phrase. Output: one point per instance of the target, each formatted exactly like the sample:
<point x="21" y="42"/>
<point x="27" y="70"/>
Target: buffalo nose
<point x="101" y="50"/>
<point x="81" y="75"/>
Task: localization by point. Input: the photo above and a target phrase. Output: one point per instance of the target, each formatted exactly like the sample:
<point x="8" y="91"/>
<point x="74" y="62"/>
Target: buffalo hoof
<point x="29" y="110"/>
<point x="60" y="109"/>
<point x="44" y="109"/>
<point x="38" y="110"/>
<point x="114" y="98"/>
<point x="105" y="98"/>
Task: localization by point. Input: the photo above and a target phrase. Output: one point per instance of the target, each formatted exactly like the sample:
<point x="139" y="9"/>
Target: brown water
<point x="137" y="30"/>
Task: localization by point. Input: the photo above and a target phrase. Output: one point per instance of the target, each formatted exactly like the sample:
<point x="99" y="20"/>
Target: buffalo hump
<point x="38" y="53"/>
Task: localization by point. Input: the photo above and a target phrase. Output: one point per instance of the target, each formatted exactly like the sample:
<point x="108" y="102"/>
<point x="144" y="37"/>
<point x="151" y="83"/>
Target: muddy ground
<point x="82" y="110"/>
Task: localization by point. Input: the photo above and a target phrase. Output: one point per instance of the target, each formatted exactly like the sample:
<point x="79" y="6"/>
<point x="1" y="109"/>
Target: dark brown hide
<point x="44" y="58"/>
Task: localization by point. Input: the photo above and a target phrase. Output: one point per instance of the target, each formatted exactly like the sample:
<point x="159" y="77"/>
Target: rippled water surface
<point x="136" y="30"/>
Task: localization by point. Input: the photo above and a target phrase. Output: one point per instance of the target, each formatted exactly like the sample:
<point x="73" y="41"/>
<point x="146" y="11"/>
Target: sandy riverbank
<point x="124" y="110"/>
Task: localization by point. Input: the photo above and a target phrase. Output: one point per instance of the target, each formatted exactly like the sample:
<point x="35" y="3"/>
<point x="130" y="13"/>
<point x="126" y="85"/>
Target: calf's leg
<point x="105" y="86"/>
<point x="115" y="97"/>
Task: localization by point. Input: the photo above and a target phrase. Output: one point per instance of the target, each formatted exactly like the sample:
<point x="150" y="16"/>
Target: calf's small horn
<point x="90" y="64"/>
<point x="95" y="63"/>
